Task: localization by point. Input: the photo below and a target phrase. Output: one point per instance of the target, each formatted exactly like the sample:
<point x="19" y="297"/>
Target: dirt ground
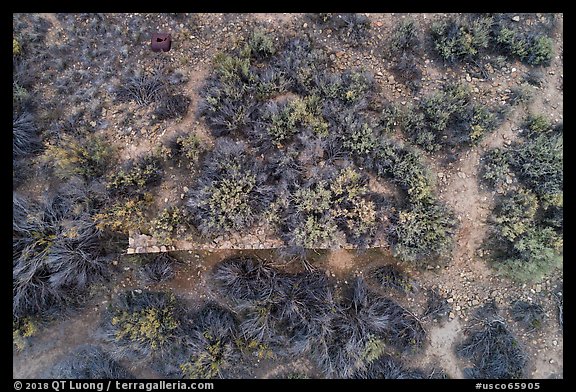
<point x="467" y="281"/>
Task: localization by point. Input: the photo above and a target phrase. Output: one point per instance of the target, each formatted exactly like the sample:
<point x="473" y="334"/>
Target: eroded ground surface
<point x="467" y="281"/>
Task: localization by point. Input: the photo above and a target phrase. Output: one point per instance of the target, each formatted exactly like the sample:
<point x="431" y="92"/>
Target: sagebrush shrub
<point x="58" y="251"/>
<point x="424" y="232"/>
<point x="88" y="156"/>
<point x="141" y="324"/>
<point x="136" y="175"/>
<point x="89" y="362"/>
<point x="494" y="352"/>
<point x="231" y="192"/>
<point x="538" y="163"/>
<point x="520" y="245"/>
<point x="496" y="167"/>
<point x="404" y="37"/>
<point x="448" y="118"/>
<point x="529" y="315"/>
<point x="124" y="215"/>
<point x="455" y="41"/>
<point x="171" y="223"/>
<point x="261" y="44"/>
<point x="22" y="329"/>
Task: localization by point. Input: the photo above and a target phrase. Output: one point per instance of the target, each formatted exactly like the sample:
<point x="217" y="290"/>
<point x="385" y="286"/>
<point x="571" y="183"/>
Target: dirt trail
<point x="441" y="350"/>
<point x="55" y="341"/>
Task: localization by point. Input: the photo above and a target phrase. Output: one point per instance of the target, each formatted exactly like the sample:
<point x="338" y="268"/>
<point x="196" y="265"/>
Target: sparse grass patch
<point x="351" y="28"/>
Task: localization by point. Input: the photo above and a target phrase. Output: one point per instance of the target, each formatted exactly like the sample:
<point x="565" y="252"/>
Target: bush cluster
<point x="89" y="362"/>
<point x="531" y="48"/>
<point x="520" y="245"/>
<point x="231" y="192"/>
<point x="470" y="38"/>
<point x="494" y="352"/>
<point x="171" y="223"/>
<point x="143" y="324"/>
<point x="302" y="314"/>
<point x="336" y="201"/>
<point x="461" y="40"/>
<point x="304" y="124"/>
<point x="58" y="251"/>
<point x="449" y="119"/>
<point x="525" y="241"/>
<point x="88" y="156"/>
<point x="135" y="176"/>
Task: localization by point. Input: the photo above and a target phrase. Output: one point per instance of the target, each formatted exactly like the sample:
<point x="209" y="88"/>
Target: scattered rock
<point x="450" y="300"/>
<point x="516" y="18"/>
